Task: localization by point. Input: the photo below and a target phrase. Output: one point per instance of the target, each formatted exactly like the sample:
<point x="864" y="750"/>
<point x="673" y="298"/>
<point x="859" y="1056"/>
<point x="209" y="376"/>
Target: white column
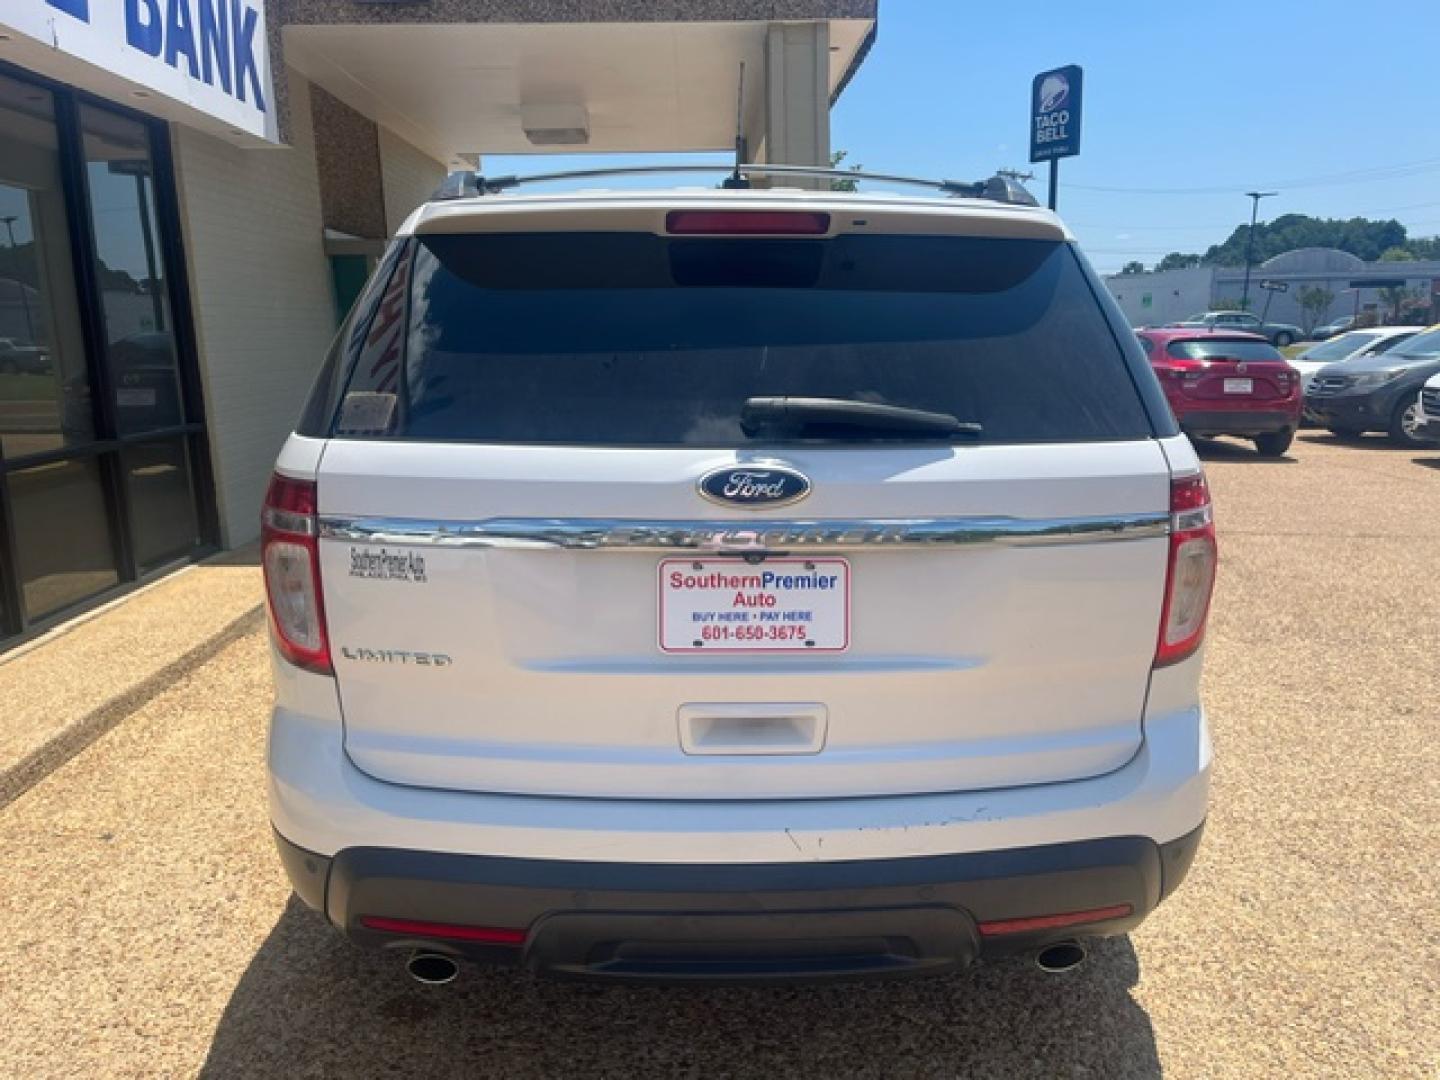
<point x="797" y="99"/>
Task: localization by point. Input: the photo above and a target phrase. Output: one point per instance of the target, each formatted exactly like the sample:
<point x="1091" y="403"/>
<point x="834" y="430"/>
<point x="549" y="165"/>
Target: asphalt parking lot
<point x="148" y="929"/>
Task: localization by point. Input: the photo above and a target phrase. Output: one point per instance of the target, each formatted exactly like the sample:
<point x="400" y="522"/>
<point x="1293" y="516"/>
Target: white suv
<point x="736" y="584"/>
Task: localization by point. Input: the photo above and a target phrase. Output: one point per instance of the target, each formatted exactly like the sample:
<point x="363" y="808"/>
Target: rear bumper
<point x="750" y="921"/>
<point x="914" y="873"/>
<point x="324" y="804"/>
<point x="1238" y="422"/>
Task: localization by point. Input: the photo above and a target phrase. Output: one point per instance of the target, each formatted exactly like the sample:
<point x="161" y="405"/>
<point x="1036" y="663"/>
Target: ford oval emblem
<point x="759" y="486"/>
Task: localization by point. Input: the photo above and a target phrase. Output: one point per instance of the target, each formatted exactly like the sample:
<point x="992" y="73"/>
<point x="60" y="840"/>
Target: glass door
<point x="60" y="525"/>
<point x="101" y="442"/>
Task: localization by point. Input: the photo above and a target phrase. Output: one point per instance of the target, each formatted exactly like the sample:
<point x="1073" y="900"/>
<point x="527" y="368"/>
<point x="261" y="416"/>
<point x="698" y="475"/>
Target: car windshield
<point x="1426" y="345"/>
<point x="1341" y="347"/>
<point x="1394" y="341"/>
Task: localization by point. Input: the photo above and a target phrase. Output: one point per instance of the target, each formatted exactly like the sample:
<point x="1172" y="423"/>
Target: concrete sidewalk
<point x="63" y="690"/>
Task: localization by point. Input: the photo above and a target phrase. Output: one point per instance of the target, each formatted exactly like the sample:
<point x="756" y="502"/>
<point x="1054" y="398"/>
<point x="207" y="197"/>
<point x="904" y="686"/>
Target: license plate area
<point x="1239" y="386"/>
<point x="786" y="604"/>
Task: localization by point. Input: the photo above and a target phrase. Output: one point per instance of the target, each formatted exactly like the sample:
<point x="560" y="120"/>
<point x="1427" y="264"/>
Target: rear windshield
<point x="637" y="339"/>
<point x="1222" y="349"/>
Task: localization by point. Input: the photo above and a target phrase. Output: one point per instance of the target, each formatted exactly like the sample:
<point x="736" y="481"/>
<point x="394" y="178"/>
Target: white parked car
<point x="1429" y="419"/>
<point x="736" y="584"/>
<point x="1350" y="346"/>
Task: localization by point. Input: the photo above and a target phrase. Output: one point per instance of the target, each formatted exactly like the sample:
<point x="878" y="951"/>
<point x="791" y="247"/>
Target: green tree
<point x="1428" y="248"/>
<point x="1403" y="302"/>
<point x="843" y="183"/>
<point x="1134" y="266"/>
<point x="1396" y="254"/>
<point x="1178" y="261"/>
<point x="1361" y="237"/>
<point x="1315" y="301"/>
<point x="1417" y="308"/>
<point x="1393" y="296"/>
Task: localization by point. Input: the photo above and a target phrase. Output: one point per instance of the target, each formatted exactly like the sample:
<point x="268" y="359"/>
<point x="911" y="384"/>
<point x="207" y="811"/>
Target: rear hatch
<point x="565" y="552"/>
<point x="1218" y="372"/>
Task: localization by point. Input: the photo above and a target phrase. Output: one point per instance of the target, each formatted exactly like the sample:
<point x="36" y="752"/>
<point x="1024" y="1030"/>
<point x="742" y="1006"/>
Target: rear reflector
<point x="488" y="935"/>
<point x="999" y="927"/>
<point x="747" y="223"/>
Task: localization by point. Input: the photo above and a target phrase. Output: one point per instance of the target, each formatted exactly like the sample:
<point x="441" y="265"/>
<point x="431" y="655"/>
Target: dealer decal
<point x="384" y="565"/>
<point x="785" y="604"/>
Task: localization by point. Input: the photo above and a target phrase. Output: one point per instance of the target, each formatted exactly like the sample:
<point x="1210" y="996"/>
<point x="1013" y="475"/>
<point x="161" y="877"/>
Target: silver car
<point x="1279" y="334"/>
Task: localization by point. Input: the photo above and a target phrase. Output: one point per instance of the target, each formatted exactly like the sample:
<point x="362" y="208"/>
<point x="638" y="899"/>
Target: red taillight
<point x="488" y="935"/>
<point x="290" y="555"/>
<point x="997" y="927"/>
<point x="1181" y="369"/>
<point x="1190" y="574"/>
<point x="747" y="222"/>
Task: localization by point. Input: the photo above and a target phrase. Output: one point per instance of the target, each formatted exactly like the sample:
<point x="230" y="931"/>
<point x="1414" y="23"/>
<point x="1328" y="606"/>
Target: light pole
<point x="1255" y="197"/>
<point x="9" y="221"/>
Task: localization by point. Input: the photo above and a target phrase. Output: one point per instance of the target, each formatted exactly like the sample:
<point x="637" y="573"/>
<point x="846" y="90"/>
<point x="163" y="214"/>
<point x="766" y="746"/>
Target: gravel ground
<point x="148" y="931"/>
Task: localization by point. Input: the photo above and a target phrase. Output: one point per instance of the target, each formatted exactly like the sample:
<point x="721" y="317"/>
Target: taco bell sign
<point x="209" y="56"/>
<point x="1055" y="114"/>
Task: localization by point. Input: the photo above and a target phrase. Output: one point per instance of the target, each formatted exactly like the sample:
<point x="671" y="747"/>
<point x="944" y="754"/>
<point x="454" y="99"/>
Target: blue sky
<point x="1322" y="101"/>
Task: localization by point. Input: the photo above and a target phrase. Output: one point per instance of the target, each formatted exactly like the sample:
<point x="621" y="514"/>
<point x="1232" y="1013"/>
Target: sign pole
<point x="1054" y="180"/>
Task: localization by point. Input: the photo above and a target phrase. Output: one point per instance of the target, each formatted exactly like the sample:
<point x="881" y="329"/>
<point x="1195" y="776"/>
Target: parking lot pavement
<point x="148" y="930"/>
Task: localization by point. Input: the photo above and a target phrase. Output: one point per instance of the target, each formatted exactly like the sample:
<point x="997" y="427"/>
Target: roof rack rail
<point x="1004" y="189"/>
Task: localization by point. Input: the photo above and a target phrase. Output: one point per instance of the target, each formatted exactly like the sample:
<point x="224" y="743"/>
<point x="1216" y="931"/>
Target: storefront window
<point x="101" y="467"/>
<point x="130" y="269"/>
<point x="44" y="389"/>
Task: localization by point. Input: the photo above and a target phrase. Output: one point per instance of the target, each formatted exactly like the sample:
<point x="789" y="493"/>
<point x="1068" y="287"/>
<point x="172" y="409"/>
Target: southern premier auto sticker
<point x="385" y="565"/>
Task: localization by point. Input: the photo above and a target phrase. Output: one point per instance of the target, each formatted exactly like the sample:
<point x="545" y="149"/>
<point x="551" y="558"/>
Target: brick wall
<point x="264" y="311"/>
<point x="347" y="155"/>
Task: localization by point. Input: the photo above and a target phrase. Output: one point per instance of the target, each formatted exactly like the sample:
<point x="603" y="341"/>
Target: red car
<point x="1221" y="382"/>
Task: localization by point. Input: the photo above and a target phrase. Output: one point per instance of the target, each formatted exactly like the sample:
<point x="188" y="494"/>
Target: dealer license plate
<point x="1239" y="386"/>
<point x="784" y="604"/>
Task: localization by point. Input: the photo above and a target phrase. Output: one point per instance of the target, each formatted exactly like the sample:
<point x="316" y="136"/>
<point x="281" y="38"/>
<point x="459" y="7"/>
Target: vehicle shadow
<point x="1428" y="462"/>
<point x="1215" y="450"/>
<point x="311" y="1004"/>
<point x="1364" y="442"/>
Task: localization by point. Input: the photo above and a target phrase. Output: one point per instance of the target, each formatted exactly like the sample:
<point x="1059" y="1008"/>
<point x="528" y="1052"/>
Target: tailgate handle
<point x="753" y="728"/>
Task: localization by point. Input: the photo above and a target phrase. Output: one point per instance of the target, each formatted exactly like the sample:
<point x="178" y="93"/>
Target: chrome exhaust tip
<point x="432" y="969"/>
<point x="1061" y="956"/>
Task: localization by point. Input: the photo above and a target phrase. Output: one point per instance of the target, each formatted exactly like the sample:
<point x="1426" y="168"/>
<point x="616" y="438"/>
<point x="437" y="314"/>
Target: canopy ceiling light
<point x="555" y="125"/>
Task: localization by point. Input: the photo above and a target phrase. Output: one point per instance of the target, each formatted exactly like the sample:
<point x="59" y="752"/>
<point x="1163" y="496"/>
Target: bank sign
<point x="1055" y="114"/>
<point x="208" y="54"/>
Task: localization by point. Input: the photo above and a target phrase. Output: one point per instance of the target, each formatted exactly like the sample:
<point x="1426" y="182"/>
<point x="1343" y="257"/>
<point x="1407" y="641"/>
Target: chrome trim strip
<point x="836" y="534"/>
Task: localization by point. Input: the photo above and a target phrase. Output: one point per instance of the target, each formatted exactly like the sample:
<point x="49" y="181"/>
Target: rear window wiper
<point x="841" y="415"/>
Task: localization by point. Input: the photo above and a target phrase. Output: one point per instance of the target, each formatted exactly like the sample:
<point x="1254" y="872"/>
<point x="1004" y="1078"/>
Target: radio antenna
<point x="735" y="180"/>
